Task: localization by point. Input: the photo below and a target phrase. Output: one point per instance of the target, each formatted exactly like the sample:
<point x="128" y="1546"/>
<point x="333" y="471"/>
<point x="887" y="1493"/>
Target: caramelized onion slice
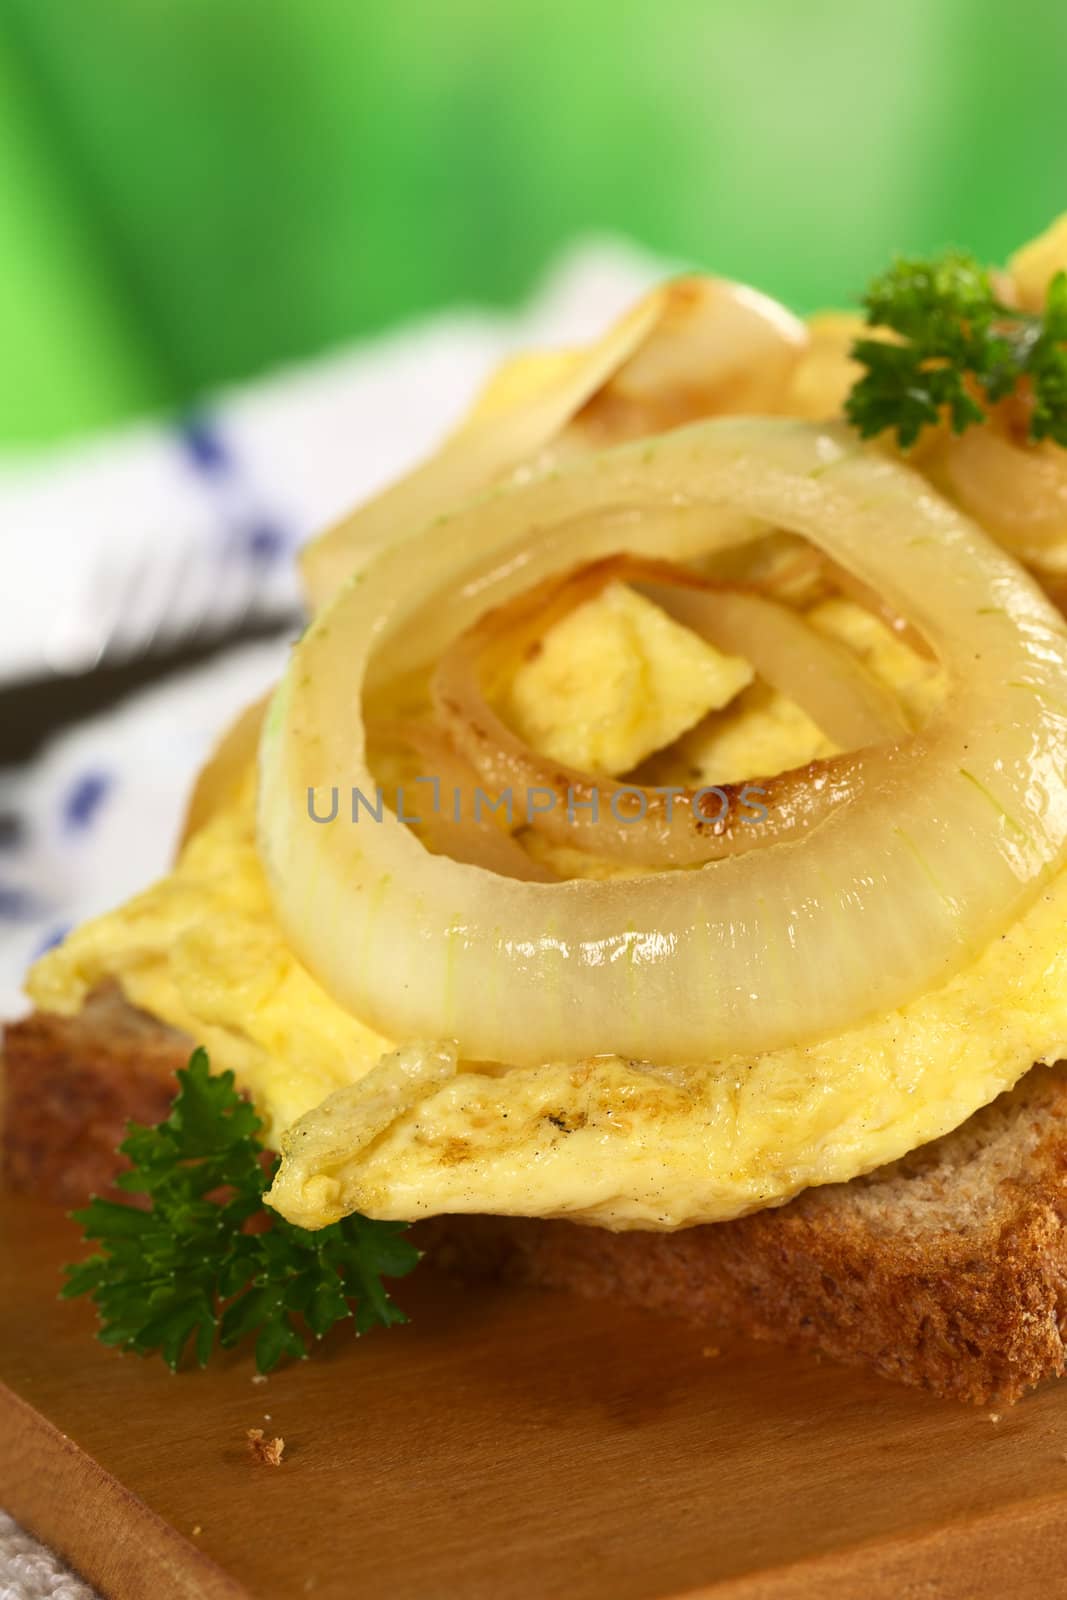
<point x="683" y="826"/>
<point x="454" y="816"/>
<point x="1015" y="489"/>
<point x="694" y="347"/>
<point x="840" y="696"/>
<point x="887" y="897"/>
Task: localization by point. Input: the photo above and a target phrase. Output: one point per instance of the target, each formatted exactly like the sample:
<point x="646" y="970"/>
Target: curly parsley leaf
<point x="189" y="1270"/>
<point x="958" y="350"/>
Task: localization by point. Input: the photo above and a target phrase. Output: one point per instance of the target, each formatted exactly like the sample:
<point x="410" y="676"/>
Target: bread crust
<point x="69" y="1087"/>
<point x="947" y="1269"/>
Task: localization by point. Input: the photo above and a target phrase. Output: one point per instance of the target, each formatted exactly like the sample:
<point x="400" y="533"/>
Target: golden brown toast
<point x="947" y="1269"/>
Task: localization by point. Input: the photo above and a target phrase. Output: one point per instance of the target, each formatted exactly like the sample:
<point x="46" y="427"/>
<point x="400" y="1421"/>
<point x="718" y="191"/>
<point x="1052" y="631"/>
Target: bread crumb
<point x="197" y="1530"/>
<point x="269" y="1451"/>
<point x="994" y="1416"/>
<point x="259" y="1377"/>
<point x="711" y="1350"/>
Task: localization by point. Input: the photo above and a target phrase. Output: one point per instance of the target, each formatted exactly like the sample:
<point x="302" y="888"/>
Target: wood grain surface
<point x="509" y="1446"/>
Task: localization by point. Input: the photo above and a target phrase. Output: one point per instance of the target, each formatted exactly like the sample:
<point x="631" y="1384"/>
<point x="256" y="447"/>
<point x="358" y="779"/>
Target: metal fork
<point x="168" y="602"/>
<point x="137" y="622"/>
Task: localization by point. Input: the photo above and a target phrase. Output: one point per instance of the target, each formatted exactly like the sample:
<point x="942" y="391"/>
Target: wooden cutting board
<point x="510" y="1445"/>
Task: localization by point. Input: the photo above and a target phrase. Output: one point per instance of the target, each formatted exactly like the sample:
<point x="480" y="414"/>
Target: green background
<point x="193" y="191"/>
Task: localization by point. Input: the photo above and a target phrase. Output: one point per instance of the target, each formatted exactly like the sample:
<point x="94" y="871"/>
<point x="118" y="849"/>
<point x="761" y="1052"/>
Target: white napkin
<point x="30" y="1572"/>
<point x="98" y="815"/>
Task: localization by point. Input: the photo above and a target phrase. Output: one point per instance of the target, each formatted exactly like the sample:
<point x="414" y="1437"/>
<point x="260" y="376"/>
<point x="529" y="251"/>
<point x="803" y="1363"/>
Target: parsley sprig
<point x="959" y="350"/>
<point x="189" y="1270"/>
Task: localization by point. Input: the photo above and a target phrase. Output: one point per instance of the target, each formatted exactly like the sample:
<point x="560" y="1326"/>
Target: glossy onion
<point x="887" y="897"/>
<point x="693" y="347"/>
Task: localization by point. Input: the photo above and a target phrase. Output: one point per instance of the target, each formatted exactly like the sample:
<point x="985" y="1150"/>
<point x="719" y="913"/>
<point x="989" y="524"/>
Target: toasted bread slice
<point x="69" y="1087"/>
<point x="947" y="1269"/>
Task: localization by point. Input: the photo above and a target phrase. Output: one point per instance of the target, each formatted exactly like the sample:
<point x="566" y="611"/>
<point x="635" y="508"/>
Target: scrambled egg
<point x="624" y="1145"/>
<point x="1037" y="262"/>
<point x="762" y="733"/>
<point x="410" y="1132"/>
<point x="615" y="680"/>
<point x="201" y="950"/>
